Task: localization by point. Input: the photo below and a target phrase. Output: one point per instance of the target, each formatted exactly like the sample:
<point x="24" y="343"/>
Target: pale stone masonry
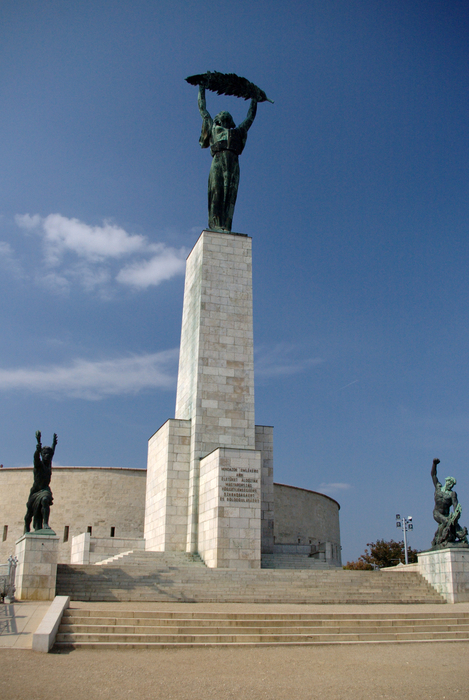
<point x="166" y="505"/>
<point x="265" y="445"/>
<point x="37" y="566"/>
<point x="112" y="500"/>
<point x="229" y="509"/>
<point x="90" y="550"/>
<point x="188" y="504"/>
<point x="216" y="363"/>
<point x="447" y="570"/>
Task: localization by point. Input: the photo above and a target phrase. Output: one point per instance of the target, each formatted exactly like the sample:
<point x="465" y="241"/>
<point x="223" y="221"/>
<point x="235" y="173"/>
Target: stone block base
<point x="90" y="550"/>
<point x="37" y="566"/>
<point x="166" y="501"/>
<point x="230" y="509"/>
<point x="447" y="570"/>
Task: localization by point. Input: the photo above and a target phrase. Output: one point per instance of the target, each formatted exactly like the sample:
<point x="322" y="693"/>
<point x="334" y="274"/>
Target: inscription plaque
<point x="240" y="485"/>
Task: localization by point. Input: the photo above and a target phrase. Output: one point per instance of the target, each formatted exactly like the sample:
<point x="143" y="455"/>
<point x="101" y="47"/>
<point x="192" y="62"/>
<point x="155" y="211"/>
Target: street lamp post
<point x="405" y="524"/>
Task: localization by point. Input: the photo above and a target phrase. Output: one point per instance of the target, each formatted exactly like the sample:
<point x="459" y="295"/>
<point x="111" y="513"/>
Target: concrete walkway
<point x="417" y="671"/>
<point x="18" y="622"/>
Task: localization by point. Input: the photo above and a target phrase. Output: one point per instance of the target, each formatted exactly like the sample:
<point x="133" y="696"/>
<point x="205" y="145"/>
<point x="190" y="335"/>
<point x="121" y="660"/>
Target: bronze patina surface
<point x="40" y="496"/>
<point x="226" y="142"/>
<point x="449" y="532"/>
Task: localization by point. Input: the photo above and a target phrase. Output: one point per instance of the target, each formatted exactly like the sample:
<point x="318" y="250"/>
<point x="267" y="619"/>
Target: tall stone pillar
<point x="216" y="364"/>
<point x="209" y="468"/>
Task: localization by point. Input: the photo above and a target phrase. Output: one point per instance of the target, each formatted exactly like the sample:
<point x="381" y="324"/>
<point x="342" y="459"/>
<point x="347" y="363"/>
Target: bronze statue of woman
<point x="226" y="141"/>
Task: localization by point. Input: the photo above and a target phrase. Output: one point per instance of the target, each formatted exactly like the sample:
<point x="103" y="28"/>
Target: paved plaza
<point x="417" y="671"/>
<point x="397" y="672"/>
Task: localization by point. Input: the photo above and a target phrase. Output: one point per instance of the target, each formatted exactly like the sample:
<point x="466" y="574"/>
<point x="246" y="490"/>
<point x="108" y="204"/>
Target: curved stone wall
<point x="304" y="518"/>
<point x="97" y="497"/>
<point x="104" y="498"/>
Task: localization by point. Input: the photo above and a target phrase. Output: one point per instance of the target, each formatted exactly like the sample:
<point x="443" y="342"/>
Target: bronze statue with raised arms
<point x="40" y="496"/>
<point x="226" y="142"/>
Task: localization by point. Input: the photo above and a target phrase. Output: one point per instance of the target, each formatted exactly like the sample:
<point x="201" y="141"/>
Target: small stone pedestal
<point x="447" y="570"/>
<point x="37" y="566"/>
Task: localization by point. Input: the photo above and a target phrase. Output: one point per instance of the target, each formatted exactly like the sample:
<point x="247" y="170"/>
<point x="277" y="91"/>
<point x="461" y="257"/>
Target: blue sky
<point x="354" y="188"/>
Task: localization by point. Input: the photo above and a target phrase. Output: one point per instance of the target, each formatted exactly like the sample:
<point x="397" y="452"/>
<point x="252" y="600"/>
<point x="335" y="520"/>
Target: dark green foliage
<point x="383" y="554"/>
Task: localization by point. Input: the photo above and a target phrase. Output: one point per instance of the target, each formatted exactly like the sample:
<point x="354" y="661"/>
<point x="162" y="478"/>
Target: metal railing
<point x="7" y="579"/>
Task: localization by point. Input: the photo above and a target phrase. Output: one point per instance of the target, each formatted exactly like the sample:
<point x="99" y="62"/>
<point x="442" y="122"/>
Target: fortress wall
<point x="83" y="496"/>
<point x="103" y="497"/>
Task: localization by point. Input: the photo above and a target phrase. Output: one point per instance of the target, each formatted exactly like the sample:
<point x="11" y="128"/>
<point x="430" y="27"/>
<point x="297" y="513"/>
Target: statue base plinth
<point x="36" y="572"/>
<point x="449" y="545"/>
<point x="447" y="570"/>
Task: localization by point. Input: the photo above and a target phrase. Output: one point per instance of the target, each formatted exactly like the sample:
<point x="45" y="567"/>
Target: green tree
<point x="381" y="555"/>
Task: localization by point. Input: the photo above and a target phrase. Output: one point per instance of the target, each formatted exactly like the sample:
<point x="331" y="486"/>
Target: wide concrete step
<point x="93" y="628"/>
<point x="223" y="640"/>
<point x="162" y="576"/>
<point x="266" y="617"/>
<point x="127" y="585"/>
<point x="293" y="561"/>
<point x="141" y="629"/>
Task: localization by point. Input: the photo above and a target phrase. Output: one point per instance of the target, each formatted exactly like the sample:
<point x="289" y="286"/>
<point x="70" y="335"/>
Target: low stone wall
<point x="90" y="550"/>
<point x="402" y="567"/>
<point x="80" y="552"/>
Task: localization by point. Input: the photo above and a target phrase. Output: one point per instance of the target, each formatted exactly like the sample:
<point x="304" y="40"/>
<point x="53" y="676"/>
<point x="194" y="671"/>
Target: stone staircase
<point x="138" y="558"/>
<point x="294" y="561"/>
<point x="114" y="629"/>
<point x="178" y="577"/>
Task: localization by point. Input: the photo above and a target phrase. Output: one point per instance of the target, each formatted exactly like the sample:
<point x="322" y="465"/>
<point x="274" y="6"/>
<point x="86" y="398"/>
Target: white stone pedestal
<point x="447" y="570"/>
<point x="37" y="566"/>
<point x="230" y="509"/>
<point x="168" y="487"/>
<point x="189" y="506"/>
<point x="215" y="388"/>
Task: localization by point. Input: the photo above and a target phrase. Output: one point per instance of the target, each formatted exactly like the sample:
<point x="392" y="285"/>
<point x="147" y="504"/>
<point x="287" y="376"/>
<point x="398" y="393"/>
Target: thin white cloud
<point x="282" y="360"/>
<point x="55" y="282"/>
<point x="85" y="379"/>
<point x="75" y="252"/>
<point x="355" y="381"/>
<point x="27" y="221"/>
<point x="5" y="249"/>
<point x="161" y="267"/>
<point x="8" y="260"/>
<point x="90" y="277"/>
<point x="95" y="243"/>
<point x="334" y="487"/>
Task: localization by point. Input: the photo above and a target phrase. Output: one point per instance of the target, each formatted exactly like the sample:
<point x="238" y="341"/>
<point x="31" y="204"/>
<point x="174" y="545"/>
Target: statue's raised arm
<point x="54" y="444"/>
<point x="434" y="477"/>
<point x="202" y="103"/>
<point x="251" y="115"/>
